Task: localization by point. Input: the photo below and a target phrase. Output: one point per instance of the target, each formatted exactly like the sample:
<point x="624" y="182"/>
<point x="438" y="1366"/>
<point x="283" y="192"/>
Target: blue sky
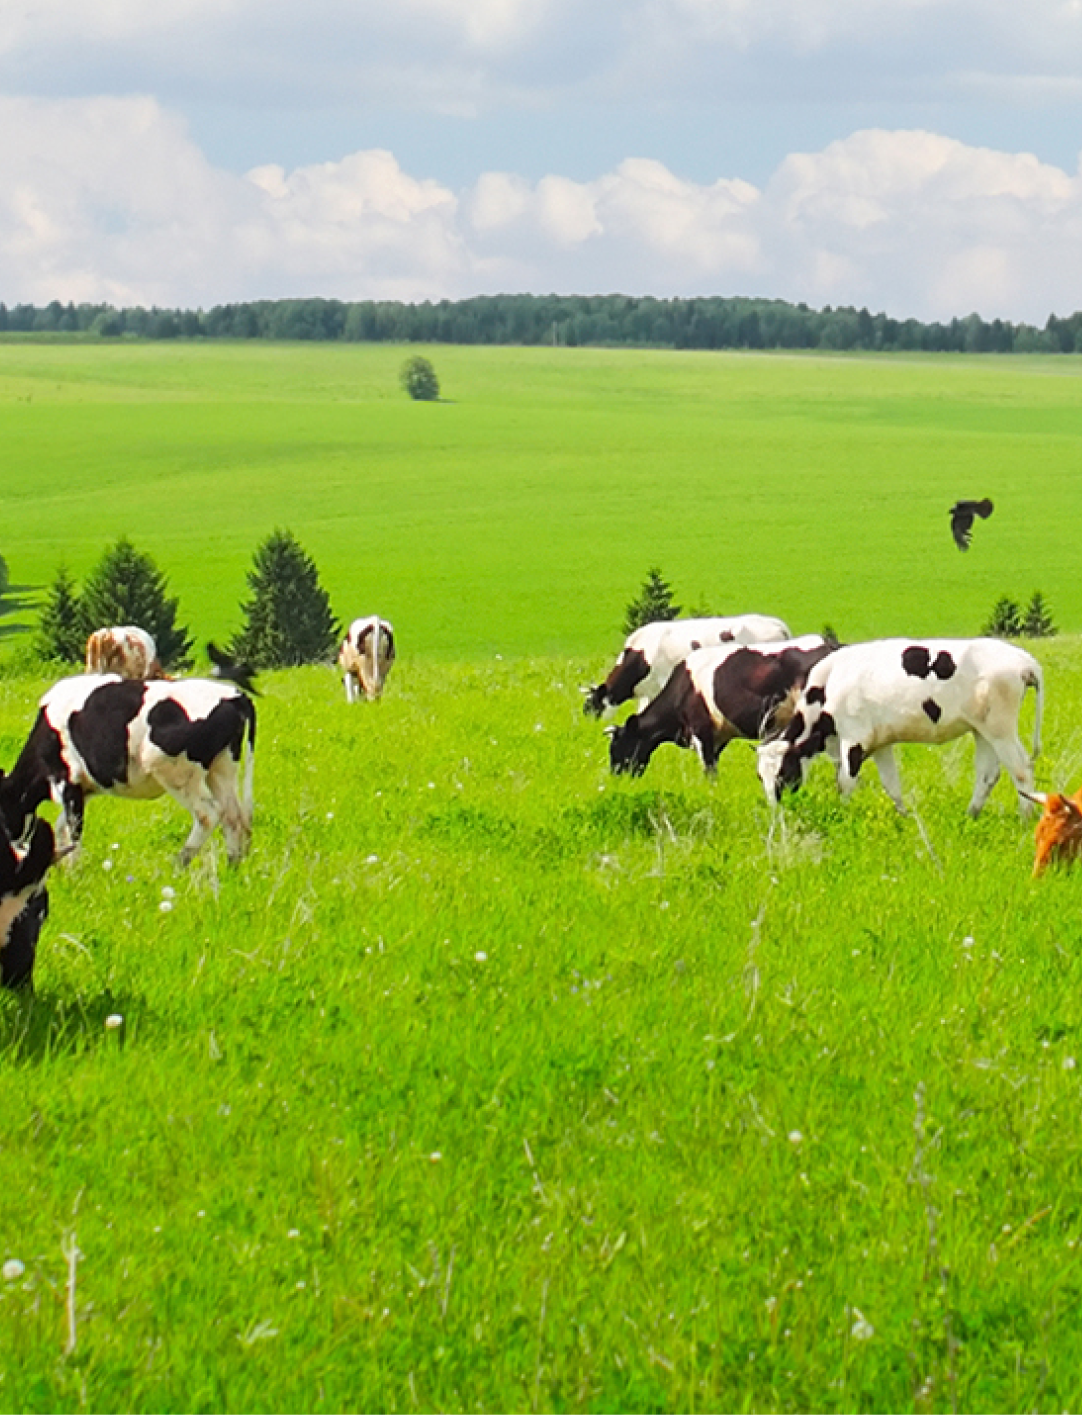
<point x="917" y="156"/>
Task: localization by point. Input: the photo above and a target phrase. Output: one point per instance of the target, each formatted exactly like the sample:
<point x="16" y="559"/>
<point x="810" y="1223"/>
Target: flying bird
<point x="962" y="513"/>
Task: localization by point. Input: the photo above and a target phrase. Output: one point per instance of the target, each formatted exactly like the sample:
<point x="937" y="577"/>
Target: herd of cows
<point x="122" y="728"/>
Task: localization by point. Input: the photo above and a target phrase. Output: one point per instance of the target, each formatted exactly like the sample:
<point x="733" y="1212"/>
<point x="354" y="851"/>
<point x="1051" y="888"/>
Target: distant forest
<point x="598" y="320"/>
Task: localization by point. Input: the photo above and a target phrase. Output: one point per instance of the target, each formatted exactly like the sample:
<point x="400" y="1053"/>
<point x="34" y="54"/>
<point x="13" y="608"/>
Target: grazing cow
<point x="99" y="733"/>
<point x="1059" y="830"/>
<point x="651" y="653"/>
<point x="864" y="698"/>
<point x="715" y="695"/>
<point x="126" y="649"/>
<point x="365" y="658"/>
<point x="24" y="902"/>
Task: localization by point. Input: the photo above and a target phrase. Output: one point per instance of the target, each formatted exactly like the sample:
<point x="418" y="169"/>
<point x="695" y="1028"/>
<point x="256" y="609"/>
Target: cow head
<point x="629" y="751"/>
<point x="780" y="767"/>
<point x="1059" y="830"/>
<point x="595" y="700"/>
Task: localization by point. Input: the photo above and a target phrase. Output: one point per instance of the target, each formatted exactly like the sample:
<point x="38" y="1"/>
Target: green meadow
<point x="490" y="1081"/>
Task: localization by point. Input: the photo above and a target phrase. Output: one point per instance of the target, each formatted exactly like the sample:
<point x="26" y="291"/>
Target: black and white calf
<point x="24" y="901"/>
<point x="866" y="697"/>
<point x="715" y="695"/>
<point x="99" y="733"/>
<point x="651" y="653"/>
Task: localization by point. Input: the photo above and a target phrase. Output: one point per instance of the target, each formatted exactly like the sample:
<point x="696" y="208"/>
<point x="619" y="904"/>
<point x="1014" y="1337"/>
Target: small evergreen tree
<point x="288" y="620"/>
<point x="1037" y="621"/>
<point x="419" y="379"/>
<point x="1006" y="620"/>
<point x="61" y="637"/>
<point x="655" y="602"/>
<point x="5" y="578"/>
<point x="126" y="587"/>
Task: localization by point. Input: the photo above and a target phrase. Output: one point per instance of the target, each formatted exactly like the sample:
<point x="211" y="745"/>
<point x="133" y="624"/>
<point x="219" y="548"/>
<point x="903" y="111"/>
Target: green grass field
<point x="520" y="515"/>
<point x="492" y="1082"/>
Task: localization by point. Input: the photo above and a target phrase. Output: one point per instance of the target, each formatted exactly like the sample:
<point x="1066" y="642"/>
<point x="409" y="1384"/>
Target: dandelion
<point x="1069" y="1063"/>
<point x="168" y="892"/>
<point x="435" y="1157"/>
<point x="107" y="864"/>
<point x="862" y="1328"/>
<point x="371" y="859"/>
<point x="481" y="956"/>
<point x="13" y="1269"/>
<point x="113" y="1021"/>
<point x="166" y="906"/>
<point x="795" y="1137"/>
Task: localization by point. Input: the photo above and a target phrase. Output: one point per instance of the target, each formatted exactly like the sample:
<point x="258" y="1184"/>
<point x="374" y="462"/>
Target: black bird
<point x="233" y="671"/>
<point x="962" y="513"/>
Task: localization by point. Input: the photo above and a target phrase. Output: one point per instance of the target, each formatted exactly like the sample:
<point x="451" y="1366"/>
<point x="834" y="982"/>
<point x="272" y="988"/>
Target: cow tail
<point x="1035" y="680"/>
<point x="376" y="629"/>
<point x="249" y="762"/>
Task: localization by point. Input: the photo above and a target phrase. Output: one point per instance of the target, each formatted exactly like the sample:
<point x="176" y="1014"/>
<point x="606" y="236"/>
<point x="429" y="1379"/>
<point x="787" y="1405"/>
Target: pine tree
<point x="61" y="637"/>
<point x="1037" y="622"/>
<point x="655" y="602"/>
<point x="126" y="587"/>
<point x="1006" y="619"/>
<point x="288" y="620"/>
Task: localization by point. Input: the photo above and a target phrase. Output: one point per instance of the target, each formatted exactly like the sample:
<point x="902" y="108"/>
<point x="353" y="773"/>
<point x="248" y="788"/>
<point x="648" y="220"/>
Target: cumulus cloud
<point x="111" y="200"/>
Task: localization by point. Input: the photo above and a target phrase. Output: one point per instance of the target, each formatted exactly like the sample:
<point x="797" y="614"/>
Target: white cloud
<point x="109" y="199"/>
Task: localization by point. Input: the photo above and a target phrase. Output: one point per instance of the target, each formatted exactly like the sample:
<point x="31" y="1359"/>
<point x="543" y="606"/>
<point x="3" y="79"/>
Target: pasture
<point x="489" y="1081"/>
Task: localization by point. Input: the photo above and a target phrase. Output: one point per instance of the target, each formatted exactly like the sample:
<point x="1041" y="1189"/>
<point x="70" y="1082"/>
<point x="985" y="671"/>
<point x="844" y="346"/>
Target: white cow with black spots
<point x="103" y="734"/>
<point x="866" y="697"/>
<point x="651" y="653"/>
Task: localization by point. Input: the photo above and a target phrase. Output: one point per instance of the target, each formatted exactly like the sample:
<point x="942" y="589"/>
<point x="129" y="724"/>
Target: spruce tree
<point x="288" y="620"/>
<point x="1037" y="622"/>
<point x="1005" y="621"/>
<point x="126" y="587"/>
<point x="655" y="602"/>
<point x="61" y="637"/>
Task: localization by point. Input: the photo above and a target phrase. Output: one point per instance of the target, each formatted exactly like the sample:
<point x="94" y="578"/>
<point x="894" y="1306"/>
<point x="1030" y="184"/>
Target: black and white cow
<point x="866" y="697"/>
<point x="651" y="653"/>
<point x="24" y="901"/>
<point x="99" y="733"/>
<point x="716" y="695"/>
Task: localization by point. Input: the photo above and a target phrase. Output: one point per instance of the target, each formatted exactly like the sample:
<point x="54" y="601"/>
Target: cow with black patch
<point x="716" y="695"/>
<point x="862" y="700"/>
<point x="651" y="653"/>
<point x="101" y="734"/>
<point x="24" y="901"/>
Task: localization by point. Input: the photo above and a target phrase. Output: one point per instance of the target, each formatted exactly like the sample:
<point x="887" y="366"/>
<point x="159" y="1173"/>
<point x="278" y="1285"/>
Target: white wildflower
<point x="166" y="906"/>
<point x="13" y="1269"/>
<point x="113" y="1021"/>
<point x="107" y="864"/>
<point x="862" y="1328"/>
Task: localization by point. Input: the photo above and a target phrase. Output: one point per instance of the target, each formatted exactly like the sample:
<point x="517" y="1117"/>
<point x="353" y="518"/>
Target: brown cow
<point x="1059" y="830"/>
<point x="124" y="649"/>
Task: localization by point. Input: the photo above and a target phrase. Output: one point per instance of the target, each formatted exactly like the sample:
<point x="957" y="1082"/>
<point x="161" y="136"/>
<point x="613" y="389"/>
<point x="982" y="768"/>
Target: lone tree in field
<point x="288" y="620"/>
<point x="419" y="379"/>
<point x="126" y="587"/>
<point x="655" y="602"/>
<point x="60" y="637"/>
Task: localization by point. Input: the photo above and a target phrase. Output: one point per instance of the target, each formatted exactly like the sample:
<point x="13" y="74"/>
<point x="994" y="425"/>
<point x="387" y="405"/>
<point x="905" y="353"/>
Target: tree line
<point x="710" y="322"/>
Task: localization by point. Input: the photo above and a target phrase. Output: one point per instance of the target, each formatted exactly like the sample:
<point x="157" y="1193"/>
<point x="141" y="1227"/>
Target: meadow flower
<point x="165" y="906"/>
<point x="481" y="956"/>
<point x="107" y="864"/>
<point x="862" y="1328"/>
<point x="795" y="1137"/>
<point x="1069" y="1063"/>
<point x="113" y="1021"/>
<point x="435" y="1157"/>
<point x="168" y="892"/>
<point x="13" y="1269"/>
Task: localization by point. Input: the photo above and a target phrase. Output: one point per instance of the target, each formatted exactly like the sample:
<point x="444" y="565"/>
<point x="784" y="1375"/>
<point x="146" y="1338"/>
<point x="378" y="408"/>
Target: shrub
<point x="288" y="620"/>
<point x="419" y="379"/>
<point x="655" y="602"/>
<point x="126" y="587"/>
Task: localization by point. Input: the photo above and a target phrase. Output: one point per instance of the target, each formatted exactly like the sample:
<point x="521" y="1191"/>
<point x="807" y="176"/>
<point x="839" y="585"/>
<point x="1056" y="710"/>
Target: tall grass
<point x="490" y="1081"/>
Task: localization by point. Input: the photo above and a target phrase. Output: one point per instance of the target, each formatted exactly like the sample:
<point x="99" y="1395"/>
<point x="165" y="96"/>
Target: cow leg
<point x="887" y="767"/>
<point x="988" y="758"/>
<point x="69" y="824"/>
<point x="236" y="827"/>
<point x="350" y="687"/>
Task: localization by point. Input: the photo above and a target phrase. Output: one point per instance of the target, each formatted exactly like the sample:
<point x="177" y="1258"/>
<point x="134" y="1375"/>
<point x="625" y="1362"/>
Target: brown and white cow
<point x="1058" y="837"/>
<point x="716" y="695"/>
<point x="124" y="649"/>
<point x="102" y="734"/>
<point x="365" y="658"/>
<point x="651" y="653"/>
